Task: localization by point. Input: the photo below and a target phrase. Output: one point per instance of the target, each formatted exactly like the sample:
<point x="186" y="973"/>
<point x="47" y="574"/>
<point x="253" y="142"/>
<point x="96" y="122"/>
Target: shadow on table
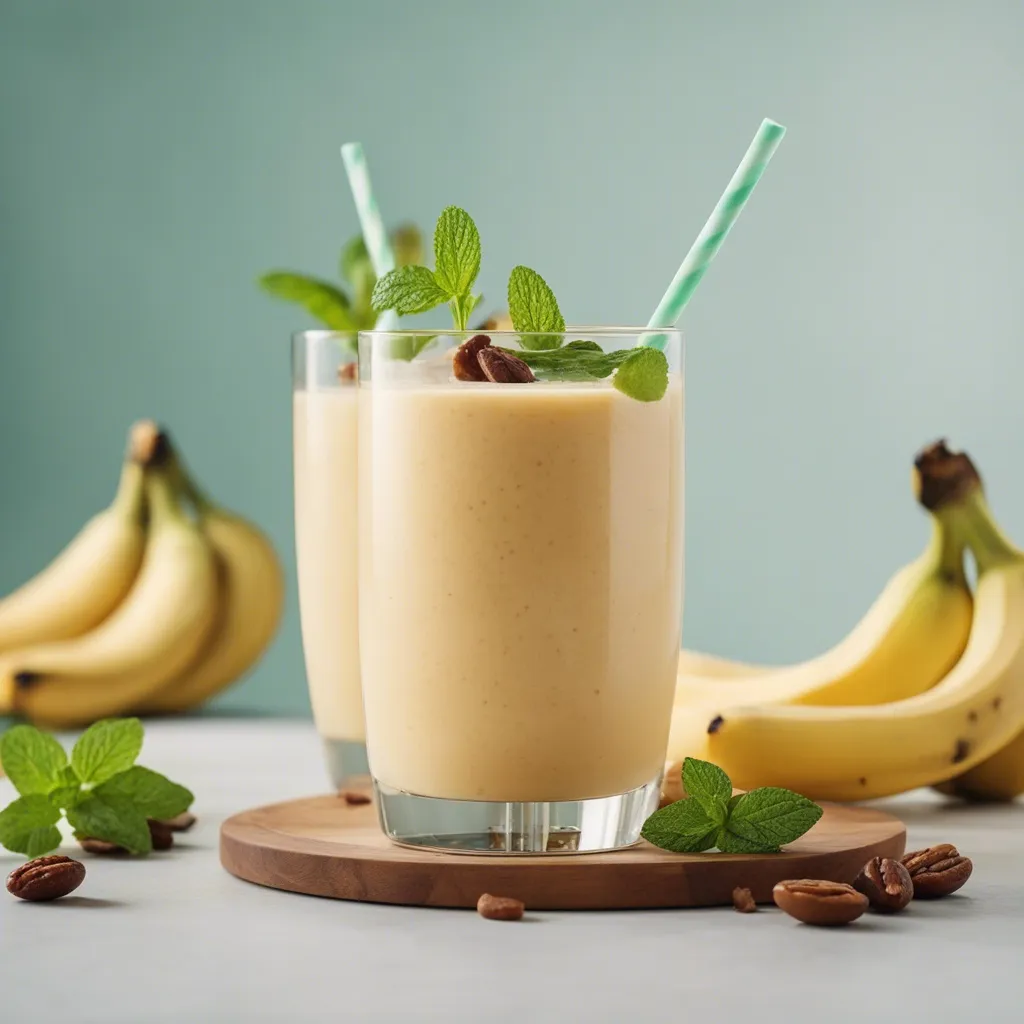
<point x="924" y="811"/>
<point x="82" y="902"/>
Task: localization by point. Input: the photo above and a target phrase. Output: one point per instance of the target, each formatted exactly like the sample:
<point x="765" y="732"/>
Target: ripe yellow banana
<point x="850" y="753"/>
<point x="158" y="629"/>
<point x="252" y="597"/>
<point x="1000" y="778"/>
<point x="912" y="635"/>
<point x="711" y="666"/>
<point x="996" y="780"/>
<point x="88" y="579"/>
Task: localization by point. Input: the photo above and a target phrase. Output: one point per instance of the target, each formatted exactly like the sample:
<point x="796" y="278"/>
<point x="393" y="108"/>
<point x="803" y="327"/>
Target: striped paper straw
<point x="376" y="238"/>
<point x="713" y="234"/>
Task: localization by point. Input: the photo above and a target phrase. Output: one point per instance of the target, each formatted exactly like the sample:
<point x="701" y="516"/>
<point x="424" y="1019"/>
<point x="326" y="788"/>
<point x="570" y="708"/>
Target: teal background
<point x="156" y="157"/>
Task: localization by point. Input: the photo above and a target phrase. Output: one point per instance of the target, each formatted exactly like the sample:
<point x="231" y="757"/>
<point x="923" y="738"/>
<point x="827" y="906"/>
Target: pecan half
<point x="503" y="367"/>
<point x="100" y="846"/>
<point x="886" y="883"/>
<point x="937" y="871"/>
<point x="817" y="901"/>
<point x="182" y="823"/>
<point x="46" y="878"/>
<point x="465" y="362"/>
<point x="161" y="834"/>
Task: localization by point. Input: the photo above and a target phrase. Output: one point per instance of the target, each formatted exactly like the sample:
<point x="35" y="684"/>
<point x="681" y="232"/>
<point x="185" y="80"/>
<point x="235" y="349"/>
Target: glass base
<point x="482" y="827"/>
<point x="345" y="759"/>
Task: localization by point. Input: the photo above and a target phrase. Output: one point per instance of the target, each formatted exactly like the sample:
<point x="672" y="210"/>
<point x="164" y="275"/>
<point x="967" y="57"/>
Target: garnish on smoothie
<point x="640" y="373"/>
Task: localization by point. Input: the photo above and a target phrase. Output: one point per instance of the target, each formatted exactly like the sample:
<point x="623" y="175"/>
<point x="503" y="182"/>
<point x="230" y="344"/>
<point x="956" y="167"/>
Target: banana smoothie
<point x="521" y="586"/>
<point x="324" y="423"/>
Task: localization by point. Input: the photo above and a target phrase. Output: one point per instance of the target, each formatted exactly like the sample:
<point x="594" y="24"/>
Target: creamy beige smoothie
<point x="521" y="561"/>
<point x="325" y="425"/>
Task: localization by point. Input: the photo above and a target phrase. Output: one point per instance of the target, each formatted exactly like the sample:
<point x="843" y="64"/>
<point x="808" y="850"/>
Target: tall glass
<point x="521" y="559"/>
<point x="324" y="402"/>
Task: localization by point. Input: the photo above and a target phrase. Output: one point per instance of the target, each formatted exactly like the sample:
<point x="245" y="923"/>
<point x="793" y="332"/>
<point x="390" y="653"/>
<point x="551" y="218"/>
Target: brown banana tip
<point x="25" y="680"/>
<point x="943" y="477"/>
<point x="148" y="443"/>
<point x="715" y="724"/>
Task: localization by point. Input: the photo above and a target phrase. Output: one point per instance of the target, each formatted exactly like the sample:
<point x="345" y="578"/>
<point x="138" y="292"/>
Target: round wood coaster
<point x="324" y="846"/>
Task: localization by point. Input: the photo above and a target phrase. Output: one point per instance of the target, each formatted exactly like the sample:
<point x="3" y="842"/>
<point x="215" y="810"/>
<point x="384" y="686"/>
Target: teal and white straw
<point x="374" y="235"/>
<point x="713" y="234"/>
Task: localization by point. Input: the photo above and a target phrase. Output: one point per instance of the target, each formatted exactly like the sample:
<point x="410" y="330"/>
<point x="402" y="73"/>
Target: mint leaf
<point x="113" y="818"/>
<point x="579" y="360"/>
<point x="67" y="790"/>
<point x="408" y="290"/>
<point x="770" y="817"/>
<point x="643" y="375"/>
<point x="322" y="300"/>
<point x="709" y="786"/>
<point x="533" y="308"/>
<point x="456" y="252"/>
<point x="28" y="825"/>
<point x="729" y="842"/>
<point x="151" y="793"/>
<point x="31" y="759"/>
<point x="106" y="748"/>
<point x="682" y="827"/>
<point x="65" y="796"/>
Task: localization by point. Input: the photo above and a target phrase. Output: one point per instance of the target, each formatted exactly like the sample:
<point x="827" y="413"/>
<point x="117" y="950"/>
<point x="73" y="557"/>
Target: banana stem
<point x="130" y="499"/>
<point x="989" y="545"/>
<point x="947" y="547"/>
<point x="187" y="486"/>
<point x="181" y="481"/>
<point x="163" y="499"/>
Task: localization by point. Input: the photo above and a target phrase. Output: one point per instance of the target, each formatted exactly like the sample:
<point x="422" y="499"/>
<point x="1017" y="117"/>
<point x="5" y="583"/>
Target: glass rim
<point x="471" y="331"/>
<point x="324" y="333"/>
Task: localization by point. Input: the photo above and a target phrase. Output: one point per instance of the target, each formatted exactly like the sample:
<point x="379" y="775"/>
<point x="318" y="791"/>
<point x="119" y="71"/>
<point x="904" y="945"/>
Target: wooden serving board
<point x="324" y="847"/>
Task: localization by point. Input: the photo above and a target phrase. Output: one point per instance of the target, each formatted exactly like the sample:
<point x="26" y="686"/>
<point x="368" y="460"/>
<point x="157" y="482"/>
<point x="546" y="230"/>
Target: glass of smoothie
<point x="324" y="402"/>
<point x="520" y="597"/>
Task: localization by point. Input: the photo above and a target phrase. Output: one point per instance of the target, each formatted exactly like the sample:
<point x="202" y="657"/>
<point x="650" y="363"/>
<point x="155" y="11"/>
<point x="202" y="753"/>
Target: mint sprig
<point x="101" y="790"/>
<point x="416" y="289"/>
<point x="761" y="821"/>
<point x="335" y="307"/>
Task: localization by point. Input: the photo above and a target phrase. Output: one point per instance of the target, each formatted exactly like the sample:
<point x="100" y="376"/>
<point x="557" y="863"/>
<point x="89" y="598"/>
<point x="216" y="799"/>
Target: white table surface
<point x="176" y="938"/>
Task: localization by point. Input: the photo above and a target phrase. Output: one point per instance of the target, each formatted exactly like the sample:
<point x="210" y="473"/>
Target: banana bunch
<point x="927" y="690"/>
<point x="161" y="600"/>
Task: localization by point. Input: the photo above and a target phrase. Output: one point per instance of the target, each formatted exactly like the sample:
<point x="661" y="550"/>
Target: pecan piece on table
<point x="937" y="871"/>
<point x="46" y="878"/>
